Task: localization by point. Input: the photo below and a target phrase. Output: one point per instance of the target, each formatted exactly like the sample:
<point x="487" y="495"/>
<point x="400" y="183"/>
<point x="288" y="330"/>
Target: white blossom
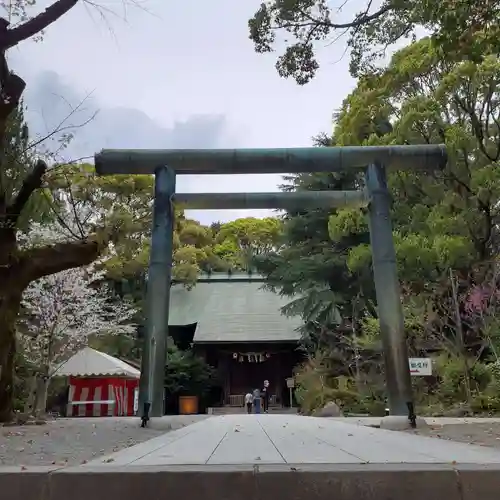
<point x="60" y="311"/>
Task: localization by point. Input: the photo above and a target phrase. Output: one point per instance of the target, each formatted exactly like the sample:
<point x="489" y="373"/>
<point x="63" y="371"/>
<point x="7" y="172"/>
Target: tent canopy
<point x="90" y="363"/>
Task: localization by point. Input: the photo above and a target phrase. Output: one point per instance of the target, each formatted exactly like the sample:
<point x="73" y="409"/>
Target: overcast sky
<point x="177" y="74"/>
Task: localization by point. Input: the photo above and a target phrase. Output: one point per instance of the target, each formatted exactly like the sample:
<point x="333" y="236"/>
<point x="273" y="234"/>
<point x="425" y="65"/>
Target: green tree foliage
<point x="318" y="383"/>
<point x="239" y="241"/>
<point x="186" y="373"/>
<point x="312" y="270"/>
<point x="195" y="251"/>
<point x="445" y="219"/>
<point x="16" y="165"/>
<point x="123" y="346"/>
<point x="446" y="222"/>
<point x="128" y="200"/>
<point x="308" y="23"/>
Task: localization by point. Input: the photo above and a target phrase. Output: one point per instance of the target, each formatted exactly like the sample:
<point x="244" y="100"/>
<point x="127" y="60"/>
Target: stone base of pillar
<point x="400" y="423"/>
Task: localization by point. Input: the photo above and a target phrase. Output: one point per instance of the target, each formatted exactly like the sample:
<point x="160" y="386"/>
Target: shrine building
<point x="237" y="326"/>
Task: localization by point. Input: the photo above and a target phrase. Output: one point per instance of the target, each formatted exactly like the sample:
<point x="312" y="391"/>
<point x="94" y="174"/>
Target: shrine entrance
<point x="374" y="161"/>
<point x="247" y="373"/>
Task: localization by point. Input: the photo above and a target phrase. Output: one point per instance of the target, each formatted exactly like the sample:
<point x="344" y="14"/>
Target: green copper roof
<point x="232" y="309"/>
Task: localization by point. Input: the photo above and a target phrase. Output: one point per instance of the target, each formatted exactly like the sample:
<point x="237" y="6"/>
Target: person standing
<point x="265" y="396"/>
<point x="256" y="400"/>
<point x="249" y="402"/>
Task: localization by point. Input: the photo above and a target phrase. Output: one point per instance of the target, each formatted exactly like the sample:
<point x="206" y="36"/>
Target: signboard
<point x="420" y="367"/>
<point x="290" y="383"/>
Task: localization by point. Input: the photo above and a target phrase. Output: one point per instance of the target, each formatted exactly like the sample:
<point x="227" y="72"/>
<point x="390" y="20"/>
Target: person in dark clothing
<point x="257" y="399"/>
<point x="265" y="396"/>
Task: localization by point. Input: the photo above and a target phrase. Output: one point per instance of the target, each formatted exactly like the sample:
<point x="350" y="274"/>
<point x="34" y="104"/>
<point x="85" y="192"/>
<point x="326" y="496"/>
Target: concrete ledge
<point x="242" y="482"/>
<point x="22" y="483"/>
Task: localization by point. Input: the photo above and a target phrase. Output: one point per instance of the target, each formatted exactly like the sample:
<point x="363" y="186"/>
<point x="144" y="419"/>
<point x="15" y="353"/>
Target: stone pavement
<point x="272" y="457"/>
<point x="290" y="439"/>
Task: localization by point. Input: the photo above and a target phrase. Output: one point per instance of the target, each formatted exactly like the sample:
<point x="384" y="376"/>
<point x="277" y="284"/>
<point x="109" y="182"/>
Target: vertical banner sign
<point x="136" y="400"/>
<point x="290" y="383"/>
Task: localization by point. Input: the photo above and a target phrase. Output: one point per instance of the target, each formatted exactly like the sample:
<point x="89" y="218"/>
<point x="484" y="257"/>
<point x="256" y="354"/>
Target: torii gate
<point x="374" y="160"/>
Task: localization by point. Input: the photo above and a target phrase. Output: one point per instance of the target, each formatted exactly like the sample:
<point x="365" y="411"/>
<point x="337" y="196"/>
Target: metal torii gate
<point x="374" y="160"/>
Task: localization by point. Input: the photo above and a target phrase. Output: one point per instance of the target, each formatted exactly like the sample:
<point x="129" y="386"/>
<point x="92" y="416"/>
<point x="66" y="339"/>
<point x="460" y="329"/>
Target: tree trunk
<point x="10" y="302"/>
<point x="17" y="270"/>
<point x="36" y="404"/>
<point x="30" y="402"/>
<point x="462" y="350"/>
<point x="9" y="308"/>
<point x="42" y="386"/>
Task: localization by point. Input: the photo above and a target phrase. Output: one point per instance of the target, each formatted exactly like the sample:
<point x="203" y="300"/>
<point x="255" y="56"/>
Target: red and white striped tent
<point x="99" y="385"/>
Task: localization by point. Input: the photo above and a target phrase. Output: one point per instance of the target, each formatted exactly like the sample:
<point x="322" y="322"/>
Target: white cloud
<point x="50" y="102"/>
<point x="184" y="74"/>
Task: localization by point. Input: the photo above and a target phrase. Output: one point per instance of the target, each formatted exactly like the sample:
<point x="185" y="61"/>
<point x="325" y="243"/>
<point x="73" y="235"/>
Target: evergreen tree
<point x="311" y="269"/>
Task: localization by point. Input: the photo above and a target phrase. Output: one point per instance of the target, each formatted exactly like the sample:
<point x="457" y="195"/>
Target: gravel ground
<point x="76" y="441"/>
<point x="483" y="434"/>
<point x="73" y="441"/>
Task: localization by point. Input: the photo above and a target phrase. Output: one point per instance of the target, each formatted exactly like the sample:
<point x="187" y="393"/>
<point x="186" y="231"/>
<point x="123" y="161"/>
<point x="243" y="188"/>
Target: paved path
<point x="78" y="440"/>
<point x="287" y="439"/>
<point x="269" y="457"/>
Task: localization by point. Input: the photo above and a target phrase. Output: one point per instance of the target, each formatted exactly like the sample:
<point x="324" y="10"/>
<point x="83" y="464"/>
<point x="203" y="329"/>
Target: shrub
<point x="315" y="387"/>
<point x="452" y="375"/>
<point x="187" y="373"/>
<point x="482" y="403"/>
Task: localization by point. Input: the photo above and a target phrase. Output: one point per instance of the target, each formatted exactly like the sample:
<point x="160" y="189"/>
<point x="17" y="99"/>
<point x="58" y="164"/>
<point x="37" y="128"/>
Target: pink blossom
<point x="479" y="298"/>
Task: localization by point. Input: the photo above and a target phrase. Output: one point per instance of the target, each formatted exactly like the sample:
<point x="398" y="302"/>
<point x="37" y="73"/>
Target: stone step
<point x="238" y="410"/>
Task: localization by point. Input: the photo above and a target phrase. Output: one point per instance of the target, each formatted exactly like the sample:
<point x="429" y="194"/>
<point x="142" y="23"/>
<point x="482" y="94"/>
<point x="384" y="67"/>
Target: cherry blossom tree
<point x="59" y="312"/>
<point x="26" y="180"/>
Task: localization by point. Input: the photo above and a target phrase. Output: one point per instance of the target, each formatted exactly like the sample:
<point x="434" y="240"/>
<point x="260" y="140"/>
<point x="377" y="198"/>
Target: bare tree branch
<point x="43" y="261"/>
<point x="74" y="209"/>
<point x="10" y="38"/>
<point x="62" y="126"/>
<point x="360" y="20"/>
